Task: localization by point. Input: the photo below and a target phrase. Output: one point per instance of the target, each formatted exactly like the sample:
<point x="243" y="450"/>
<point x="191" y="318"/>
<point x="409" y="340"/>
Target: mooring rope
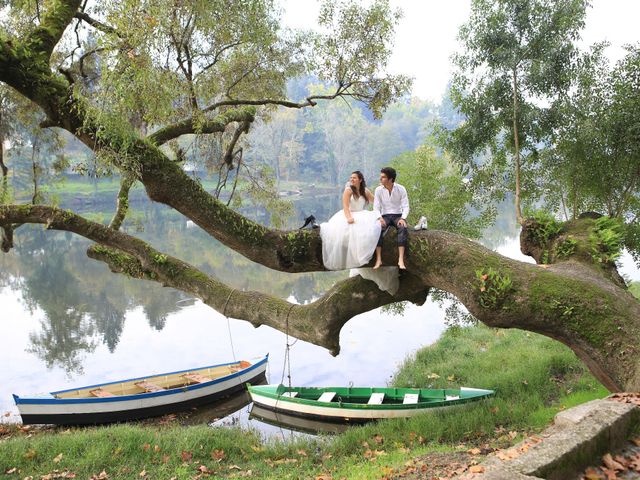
<point x="287" y="353"/>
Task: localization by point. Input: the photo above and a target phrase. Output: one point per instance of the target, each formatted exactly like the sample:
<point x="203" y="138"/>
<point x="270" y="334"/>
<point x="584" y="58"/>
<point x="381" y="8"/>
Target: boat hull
<point x="91" y="411"/>
<point x="349" y="413"/>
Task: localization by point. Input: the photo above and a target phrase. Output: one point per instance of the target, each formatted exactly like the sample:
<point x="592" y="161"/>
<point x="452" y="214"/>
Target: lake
<point x="68" y="321"/>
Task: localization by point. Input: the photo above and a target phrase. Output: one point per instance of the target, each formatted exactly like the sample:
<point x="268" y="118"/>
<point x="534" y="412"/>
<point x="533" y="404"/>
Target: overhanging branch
<point x="193" y="125"/>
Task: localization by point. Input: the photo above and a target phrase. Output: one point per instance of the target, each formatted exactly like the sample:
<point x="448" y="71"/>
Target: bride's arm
<point x="370" y="197"/>
<point x="345" y="204"/>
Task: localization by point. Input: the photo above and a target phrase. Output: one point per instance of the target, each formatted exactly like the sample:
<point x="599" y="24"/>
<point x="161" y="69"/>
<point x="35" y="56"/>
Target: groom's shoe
<point x="310" y="220"/>
<point x="422" y="224"/>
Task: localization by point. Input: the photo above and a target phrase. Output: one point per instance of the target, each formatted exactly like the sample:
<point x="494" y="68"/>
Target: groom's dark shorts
<point x="403" y="233"/>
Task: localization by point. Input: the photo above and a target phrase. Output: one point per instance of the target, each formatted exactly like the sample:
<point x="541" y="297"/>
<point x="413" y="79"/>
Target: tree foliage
<point x="515" y="62"/>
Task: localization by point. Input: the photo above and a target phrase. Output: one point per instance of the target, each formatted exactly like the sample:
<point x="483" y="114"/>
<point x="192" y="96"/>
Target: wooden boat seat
<point x="289" y="394"/>
<point x="410" y="398"/>
<point x="149" y="387"/>
<point x="327" y="397"/>
<point x="99" y="392"/>
<point x="196" y="378"/>
<point x="376" y="399"/>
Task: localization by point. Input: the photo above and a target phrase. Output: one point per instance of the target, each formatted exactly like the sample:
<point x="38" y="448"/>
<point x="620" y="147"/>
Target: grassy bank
<point x="533" y="376"/>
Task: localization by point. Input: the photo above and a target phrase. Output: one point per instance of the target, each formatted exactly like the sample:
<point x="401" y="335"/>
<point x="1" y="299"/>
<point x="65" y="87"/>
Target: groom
<point x="392" y="205"/>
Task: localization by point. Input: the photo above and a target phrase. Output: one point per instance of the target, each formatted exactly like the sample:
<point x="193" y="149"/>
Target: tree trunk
<point x="516" y="143"/>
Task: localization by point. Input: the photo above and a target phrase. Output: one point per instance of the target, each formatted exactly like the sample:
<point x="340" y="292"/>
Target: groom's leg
<point x="403" y="237"/>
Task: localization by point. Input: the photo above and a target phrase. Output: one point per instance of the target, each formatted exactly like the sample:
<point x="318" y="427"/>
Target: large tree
<point x="153" y="57"/>
<point x="516" y="61"/>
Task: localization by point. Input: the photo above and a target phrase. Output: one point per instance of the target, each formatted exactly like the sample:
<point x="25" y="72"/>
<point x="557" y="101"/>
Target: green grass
<point x="634" y="288"/>
<point x="534" y="377"/>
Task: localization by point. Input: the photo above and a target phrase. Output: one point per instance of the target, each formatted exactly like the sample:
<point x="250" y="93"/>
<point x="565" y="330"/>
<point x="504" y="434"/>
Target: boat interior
<point x="155" y="383"/>
<point x="372" y="396"/>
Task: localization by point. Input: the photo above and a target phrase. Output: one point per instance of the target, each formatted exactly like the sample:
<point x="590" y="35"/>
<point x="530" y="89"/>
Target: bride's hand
<point x="350" y="220"/>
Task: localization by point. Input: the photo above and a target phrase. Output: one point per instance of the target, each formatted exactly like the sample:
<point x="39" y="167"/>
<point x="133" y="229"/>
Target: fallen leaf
<point x="165" y="458"/>
<point x="378" y="439"/>
<point x="433" y="376"/>
<point x="205" y="470"/>
<point x="156" y="448"/>
<point x="234" y="467"/>
<point x="324" y="477"/>
<point x="217" y="455"/>
<point x="592" y="474"/>
<point x="611" y="463"/>
<point x="474" y="451"/>
<point x="30" y="454"/>
<point x="609" y="473"/>
<point x="451" y="378"/>
<point x="143" y="473"/>
<point x="146" y="447"/>
<point x="301" y="452"/>
<point x="57" y="458"/>
<point x="476" y="469"/>
<point x="636" y="441"/>
<point x="11" y="470"/>
<point x="186" y="456"/>
<point x="513" y="435"/>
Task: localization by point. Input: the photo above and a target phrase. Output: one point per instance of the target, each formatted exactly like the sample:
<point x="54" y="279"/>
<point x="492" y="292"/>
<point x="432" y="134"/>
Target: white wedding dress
<point x="351" y="245"/>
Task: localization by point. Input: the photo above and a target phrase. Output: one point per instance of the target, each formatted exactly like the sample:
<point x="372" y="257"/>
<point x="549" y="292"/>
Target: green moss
<point x="566" y="248"/>
<point x="296" y="247"/>
<point x="577" y="304"/>
<point x="606" y="240"/>
<point x="493" y="287"/>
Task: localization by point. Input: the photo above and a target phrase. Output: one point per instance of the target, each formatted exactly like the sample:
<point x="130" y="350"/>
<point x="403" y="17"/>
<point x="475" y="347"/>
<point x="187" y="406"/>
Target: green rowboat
<point x="359" y="404"/>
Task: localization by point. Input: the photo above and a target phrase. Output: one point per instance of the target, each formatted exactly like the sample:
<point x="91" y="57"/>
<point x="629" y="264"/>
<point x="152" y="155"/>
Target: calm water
<point x="67" y="321"/>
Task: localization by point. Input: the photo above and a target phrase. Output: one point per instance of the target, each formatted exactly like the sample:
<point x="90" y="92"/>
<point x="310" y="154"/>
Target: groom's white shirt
<point x="395" y="202"/>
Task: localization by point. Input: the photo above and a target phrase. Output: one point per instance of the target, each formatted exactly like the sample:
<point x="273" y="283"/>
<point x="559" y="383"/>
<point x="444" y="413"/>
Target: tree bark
<point x="516" y="143"/>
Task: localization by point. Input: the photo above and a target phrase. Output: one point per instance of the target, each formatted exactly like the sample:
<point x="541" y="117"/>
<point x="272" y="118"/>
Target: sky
<point x="426" y="35"/>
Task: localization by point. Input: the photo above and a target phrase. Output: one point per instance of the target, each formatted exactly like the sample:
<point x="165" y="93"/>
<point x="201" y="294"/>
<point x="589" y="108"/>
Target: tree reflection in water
<point x="84" y="305"/>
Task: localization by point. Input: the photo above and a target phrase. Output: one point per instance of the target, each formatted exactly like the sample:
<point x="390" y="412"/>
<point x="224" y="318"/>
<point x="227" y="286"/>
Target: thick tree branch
<point x="193" y="125"/>
<point x="57" y="16"/>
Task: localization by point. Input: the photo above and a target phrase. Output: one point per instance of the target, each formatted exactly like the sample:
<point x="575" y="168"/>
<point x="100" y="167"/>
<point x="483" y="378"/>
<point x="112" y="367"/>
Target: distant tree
<point x="516" y="60"/>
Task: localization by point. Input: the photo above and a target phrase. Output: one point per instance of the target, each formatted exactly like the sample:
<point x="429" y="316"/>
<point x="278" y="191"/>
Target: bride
<point x="350" y="237"/>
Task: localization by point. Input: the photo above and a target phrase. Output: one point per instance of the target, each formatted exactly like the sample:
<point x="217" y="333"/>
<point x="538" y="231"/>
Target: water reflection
<point x="298" y="424"/>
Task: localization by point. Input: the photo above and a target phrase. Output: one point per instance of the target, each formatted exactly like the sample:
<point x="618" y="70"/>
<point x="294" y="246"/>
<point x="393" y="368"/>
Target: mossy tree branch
<point x="193" y="125"/>
<point x="122" y="201"/>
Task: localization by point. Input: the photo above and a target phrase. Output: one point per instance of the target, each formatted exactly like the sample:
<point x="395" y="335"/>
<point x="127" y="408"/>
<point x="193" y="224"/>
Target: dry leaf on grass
<point x="610" y="463"/>
<point x="476" y="469"/>
<point x="217" y="455"/>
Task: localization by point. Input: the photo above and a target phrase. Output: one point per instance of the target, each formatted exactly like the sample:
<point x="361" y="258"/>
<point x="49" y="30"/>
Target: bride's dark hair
<point x="363" y="185"/>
